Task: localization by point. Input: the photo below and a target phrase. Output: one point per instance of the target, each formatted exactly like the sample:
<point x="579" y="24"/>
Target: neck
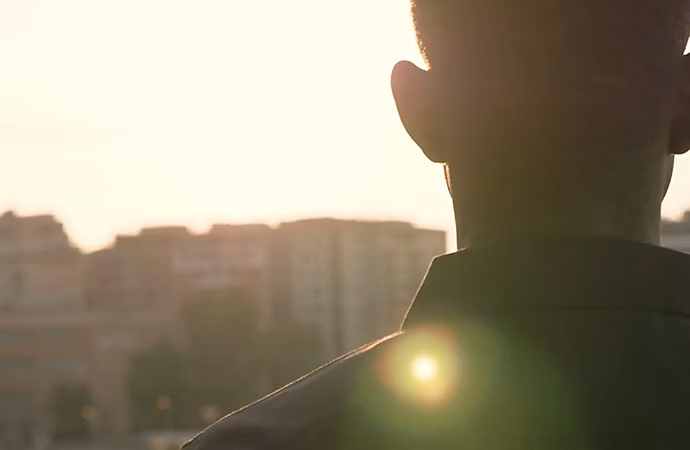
<point x="495" y="206"/>
<point x="473" y="230"/>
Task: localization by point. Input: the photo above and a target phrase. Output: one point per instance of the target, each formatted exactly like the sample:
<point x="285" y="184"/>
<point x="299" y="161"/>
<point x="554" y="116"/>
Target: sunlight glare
<point x="424" y="368"/>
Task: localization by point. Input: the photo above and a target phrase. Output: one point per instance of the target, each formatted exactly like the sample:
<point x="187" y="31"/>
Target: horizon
<point x="159" y="112"/>
<point x="201" y="231"/>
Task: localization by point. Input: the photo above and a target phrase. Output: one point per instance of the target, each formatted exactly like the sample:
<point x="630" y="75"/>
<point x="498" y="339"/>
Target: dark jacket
<point x="577" y="344"/>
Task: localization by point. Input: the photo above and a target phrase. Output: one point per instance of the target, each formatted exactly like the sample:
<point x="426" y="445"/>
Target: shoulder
<point x="303" y="409"/>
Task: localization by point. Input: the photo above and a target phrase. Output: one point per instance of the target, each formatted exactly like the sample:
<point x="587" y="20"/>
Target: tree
<point x="72" y="410"/>
<point x="292" y="350"/>
<point x="224" y="348"/>
<point x="160" y="390"/>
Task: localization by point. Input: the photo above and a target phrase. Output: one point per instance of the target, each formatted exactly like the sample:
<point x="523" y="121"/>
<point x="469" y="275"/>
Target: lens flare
<point x="424" y="368"/>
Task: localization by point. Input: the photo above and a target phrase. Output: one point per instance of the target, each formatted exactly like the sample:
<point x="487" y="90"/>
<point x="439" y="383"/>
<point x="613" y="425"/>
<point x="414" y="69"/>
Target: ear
<point x="680" y="128"/>
<point x="419" y="108"/>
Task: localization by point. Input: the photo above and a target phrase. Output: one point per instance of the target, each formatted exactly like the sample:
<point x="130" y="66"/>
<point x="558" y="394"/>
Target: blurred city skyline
<point x="118" y="116"/>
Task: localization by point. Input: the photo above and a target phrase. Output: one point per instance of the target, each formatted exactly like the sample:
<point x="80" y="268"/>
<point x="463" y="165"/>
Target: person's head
<point x="552" y="116"/>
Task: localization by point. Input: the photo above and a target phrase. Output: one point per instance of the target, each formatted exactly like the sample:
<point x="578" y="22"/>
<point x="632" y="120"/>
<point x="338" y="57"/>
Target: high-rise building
<point x="39" y="267"/>
<point x="676" y="235"/>
<point x="354" y="280"/>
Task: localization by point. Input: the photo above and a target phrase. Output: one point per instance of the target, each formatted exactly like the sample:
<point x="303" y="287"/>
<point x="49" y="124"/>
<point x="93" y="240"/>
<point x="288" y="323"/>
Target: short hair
<point x="619" y="54"/>
<point x="640" y="27"/>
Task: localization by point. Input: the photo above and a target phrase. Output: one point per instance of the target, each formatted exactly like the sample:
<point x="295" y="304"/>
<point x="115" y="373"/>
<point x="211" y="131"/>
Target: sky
<point x="120" y="114"/>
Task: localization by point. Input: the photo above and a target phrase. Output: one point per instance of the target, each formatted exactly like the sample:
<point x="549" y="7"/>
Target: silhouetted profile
<point x="563" y="324"/>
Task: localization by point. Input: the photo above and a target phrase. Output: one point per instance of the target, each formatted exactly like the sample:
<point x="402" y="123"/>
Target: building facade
<point x="137" y="271"/>
<point x="227" y="257"/>
<point x="353" y="280"/>
<point x="162" y="268"/>
<point x="39" y="267"/>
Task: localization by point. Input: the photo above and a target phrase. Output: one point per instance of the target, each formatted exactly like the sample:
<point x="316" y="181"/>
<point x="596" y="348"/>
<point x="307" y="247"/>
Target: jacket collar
<point x="570" y="273"/>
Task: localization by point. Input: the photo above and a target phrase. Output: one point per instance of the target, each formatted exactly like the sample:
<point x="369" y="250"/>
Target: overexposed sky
<point x="118" y="114"/>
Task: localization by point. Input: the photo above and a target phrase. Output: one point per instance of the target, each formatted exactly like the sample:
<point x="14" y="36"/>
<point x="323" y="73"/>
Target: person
<point x="562" y="323"/>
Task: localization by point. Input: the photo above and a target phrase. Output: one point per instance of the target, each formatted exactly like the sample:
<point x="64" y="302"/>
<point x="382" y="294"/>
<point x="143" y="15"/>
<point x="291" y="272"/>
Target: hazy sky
<point x="117" y="114"/>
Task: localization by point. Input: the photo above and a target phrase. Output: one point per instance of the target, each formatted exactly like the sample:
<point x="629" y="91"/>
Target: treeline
<point x="225" y="363"/>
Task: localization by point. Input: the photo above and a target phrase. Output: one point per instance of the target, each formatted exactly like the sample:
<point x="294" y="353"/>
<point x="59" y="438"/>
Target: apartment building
<point x="227" y="257"/>
<point x="161" y="268"/>
<point x="352" y="279"/>
<point x="137" y="271"/>
<point x="676" y="235"/>
<point x="39" y="267"/>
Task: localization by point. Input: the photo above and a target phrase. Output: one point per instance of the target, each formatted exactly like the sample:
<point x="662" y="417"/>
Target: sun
<point x="424" y="368"/>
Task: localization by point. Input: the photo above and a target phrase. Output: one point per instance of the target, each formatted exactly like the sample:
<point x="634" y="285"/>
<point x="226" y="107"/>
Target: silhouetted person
<point x="563" y="324"/>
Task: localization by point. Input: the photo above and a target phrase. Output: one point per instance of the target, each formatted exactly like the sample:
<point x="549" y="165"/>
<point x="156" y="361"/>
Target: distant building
<point x="676" y="235"/>
<point x="161" y="268"/>
<point x="228" y="256"/>
<point x="136" y="272"/>
<point x="354" y="280"/>
<point x="42" y="350"/>
<point x="39" y="267"/>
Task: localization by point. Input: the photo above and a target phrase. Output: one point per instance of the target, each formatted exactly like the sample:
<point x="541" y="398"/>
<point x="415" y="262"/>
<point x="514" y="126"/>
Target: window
<point x="68" y="366"/>
<point x="15" y="401"/>
<point x="16" y="367"/>
<point x="14" y="337"/>
<point x="59" y="333"/>
<point x="113" y="342"/>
